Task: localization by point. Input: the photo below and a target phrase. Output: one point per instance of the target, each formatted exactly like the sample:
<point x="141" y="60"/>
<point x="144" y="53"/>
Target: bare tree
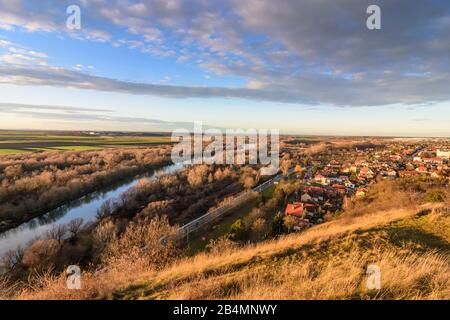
<point x="74" y="226"/>
<point x="58" y="232"/>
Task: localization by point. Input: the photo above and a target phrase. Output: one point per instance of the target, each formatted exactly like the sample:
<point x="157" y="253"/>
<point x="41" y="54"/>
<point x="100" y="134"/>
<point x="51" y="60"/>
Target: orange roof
<point x="295" y="209"/>
<point x="314" y="188"/>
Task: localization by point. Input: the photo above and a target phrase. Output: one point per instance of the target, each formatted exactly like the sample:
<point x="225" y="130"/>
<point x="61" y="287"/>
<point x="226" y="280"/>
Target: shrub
<point x="237" y="229"/>
<point x="141" y="243"/>
<point x="221" y="245"/>
<point x="290" y="222"/>
<point x="258" y="228"/>
<point x="277" y="224"/>
<point x="435" y="196"/>
<point x="41" y="254"/>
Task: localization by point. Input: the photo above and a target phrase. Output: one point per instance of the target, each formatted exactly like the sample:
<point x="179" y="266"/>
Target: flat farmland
<point x="15" y="142"/>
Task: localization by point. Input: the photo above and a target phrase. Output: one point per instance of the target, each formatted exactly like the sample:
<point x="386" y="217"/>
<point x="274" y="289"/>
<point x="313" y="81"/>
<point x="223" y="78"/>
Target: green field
<point x="16" y="142"/>
<point x="11" y="151"/>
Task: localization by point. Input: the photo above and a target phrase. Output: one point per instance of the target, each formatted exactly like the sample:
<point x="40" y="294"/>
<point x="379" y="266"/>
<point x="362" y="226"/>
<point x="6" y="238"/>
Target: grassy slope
<point x="326" y="262"/>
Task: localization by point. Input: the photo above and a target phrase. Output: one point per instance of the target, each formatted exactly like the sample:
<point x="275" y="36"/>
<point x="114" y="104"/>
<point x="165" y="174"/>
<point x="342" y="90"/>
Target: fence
<point x="210" y="216"/>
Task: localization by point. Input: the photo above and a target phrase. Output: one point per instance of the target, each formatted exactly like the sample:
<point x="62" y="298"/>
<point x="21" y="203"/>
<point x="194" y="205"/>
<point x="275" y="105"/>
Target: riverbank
<point x="108" y="180"/>
<point x="84" y="208"/>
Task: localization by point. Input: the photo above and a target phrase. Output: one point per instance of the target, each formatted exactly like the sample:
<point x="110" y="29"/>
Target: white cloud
<point x="17" y="54"/>
<point x="308" y="51"/>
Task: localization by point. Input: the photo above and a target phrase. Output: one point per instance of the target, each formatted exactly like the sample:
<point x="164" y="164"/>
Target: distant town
<point x="333" y="177"/>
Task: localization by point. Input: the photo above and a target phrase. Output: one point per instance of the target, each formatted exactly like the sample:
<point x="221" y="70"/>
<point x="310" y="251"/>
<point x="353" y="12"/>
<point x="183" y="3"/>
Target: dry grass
<point x="328" y="261"/>
<point x="204" y="262"/>
<point x="137" y="250"/>
<point x="93" y="285"/>
<point x="335" y="278"/>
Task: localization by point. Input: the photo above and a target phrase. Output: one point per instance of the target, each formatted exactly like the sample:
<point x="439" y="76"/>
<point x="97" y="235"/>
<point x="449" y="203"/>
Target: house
<point x="294" y="209"/>
<point x="361" y="192"/>
<point x="408" y="174"/>
<point x="346" y="167"/>
<point x="350" y="184"/>
<point x="391" y="173"/>
<point x="409" y="166"/>
<point x="315" y="190"/>
<point x="309" y="209"/>
<point x="443" y="153"/>
<point x="340" y="188"/>
<point x="366" y="173"/>
<point x="316" y="194"/>
<point x="334" y="165"/>
<point x="422" y="169"/>
<point x="435" y="160"/>
<point x="321" y="179"/>
<point x="306" y="198"/>
<point x="361" y="163"/>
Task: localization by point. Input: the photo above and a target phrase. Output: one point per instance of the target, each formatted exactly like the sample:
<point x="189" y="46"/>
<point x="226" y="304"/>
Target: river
<point x="85" y="208"/>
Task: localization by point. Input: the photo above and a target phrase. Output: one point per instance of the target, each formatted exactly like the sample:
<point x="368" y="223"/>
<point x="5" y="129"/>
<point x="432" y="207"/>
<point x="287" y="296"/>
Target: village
<point x="331" y="178"/>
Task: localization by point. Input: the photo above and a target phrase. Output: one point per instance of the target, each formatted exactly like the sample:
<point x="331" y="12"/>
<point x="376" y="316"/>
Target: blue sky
<point x="307" y="67"/>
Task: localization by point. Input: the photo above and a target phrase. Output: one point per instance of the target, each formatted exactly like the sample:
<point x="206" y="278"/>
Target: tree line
<point x="32" y="184"/>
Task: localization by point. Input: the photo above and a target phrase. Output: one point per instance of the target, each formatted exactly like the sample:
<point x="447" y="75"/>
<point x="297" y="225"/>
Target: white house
<point x="443" y="153"/>
<point x="306" y="198"/>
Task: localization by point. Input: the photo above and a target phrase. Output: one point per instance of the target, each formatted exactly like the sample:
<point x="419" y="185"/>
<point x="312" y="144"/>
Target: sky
<point x="300" y="66"/>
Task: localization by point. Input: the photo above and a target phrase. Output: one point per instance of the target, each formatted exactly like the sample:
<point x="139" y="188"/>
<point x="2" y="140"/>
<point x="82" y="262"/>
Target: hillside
<point x="329" y="261"/>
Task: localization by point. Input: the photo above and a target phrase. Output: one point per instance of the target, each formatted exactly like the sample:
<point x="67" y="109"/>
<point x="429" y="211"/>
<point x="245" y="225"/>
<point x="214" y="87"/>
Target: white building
<point x="444" y="153"/>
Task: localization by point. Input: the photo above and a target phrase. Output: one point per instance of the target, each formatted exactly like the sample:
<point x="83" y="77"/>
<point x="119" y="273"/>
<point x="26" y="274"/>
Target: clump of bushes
<point x="237" y="230"/>
<point x="435" y="196"/>
<point x="221" y="245"/>
<point x="142" y="242"/>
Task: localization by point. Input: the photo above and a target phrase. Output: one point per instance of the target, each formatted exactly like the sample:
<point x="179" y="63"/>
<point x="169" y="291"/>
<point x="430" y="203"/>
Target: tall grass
<point x="325" y="262"/>
<point x="404" y="276"/>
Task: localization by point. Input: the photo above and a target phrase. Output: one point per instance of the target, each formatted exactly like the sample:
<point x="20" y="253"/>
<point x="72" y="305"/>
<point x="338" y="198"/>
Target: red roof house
<point x="294" y="209"/>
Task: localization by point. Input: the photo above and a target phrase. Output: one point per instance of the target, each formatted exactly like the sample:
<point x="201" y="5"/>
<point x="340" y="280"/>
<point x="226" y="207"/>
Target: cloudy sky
<point x="302" y="66"/>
